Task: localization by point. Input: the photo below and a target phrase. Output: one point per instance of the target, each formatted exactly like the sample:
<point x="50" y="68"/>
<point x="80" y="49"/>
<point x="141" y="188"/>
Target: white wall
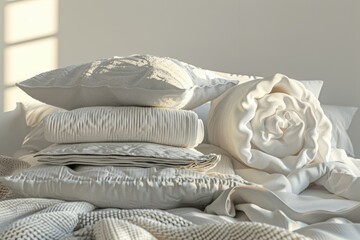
<point x="304" y="39"/>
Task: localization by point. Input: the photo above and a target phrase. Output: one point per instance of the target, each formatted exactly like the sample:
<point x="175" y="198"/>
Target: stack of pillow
<point x="142" y="80"/>
<point x="121" y="114"/>
<point x="127" y="116"/>
<point x="126" y="111"/>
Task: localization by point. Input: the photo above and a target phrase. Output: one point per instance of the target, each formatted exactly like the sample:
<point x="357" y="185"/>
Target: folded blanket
<point x="131" y="154"/>
<point x="273" y="124"/>
<point x="125" y="124"/>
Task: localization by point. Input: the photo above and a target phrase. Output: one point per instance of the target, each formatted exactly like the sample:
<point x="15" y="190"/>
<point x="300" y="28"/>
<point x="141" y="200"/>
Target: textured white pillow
<point x="36" y="112"/>
<point x="138" y="80"/>
<point x="121" y="187"/>
<point x="172" y="127"/>
<point x="341" y="118"/>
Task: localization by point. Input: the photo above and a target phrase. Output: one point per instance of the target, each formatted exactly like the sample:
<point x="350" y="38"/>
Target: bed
<point x="146" y="147"/>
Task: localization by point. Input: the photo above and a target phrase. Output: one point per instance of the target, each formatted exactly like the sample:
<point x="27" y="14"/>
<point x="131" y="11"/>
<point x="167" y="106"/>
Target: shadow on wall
<point x="29" y="45"/>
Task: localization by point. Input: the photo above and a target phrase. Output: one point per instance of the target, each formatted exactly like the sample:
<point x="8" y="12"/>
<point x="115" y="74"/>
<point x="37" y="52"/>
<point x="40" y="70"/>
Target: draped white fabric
<point x="279" y="138"/>
<point x="274" y="124"/>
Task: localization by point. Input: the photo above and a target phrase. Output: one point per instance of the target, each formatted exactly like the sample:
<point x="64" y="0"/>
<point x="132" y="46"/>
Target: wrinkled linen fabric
<point x="273" y="124"/>
<point x="172" y="127"/>
<point x="318" y="215"/>
<point x="280" y="140"/>
<point x="320" y="200"/>
<point x="314" y="213"/>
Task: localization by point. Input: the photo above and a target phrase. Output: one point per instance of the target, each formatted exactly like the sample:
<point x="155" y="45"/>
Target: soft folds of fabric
<point x="202" y="111"/>
<point x="339" y="116"/>
<point x="135" y="154"/>
<point x="138" y="80"/>
<point x="172" y="127"/>
<point x="273" y="124"/>
<point x="121" y="187"/>
<point x="224" y="166"/>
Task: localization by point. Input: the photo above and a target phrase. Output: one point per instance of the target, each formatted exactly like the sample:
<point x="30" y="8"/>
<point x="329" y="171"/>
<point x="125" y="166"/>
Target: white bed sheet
<point x="311" y="210"/>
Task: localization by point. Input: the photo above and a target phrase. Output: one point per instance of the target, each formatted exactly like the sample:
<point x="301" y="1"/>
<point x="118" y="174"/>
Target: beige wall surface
<point x="303" y="39"/>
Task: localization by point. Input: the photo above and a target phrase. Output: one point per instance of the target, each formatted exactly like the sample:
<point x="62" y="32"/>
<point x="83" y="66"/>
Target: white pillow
<point x="341" y="118"/>
<point x="138" y="80"/>
<point x="117" y="187"/>
<point x="167" y="126"/>
<point x="35" y="141"/>
<point x="313" y="86"/>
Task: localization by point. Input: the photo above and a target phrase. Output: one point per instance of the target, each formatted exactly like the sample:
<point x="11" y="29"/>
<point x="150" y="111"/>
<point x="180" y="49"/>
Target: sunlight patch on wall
<point x="28" y="59"/>
<point x="31" y="44"/>
<point x="30" y="19"/>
